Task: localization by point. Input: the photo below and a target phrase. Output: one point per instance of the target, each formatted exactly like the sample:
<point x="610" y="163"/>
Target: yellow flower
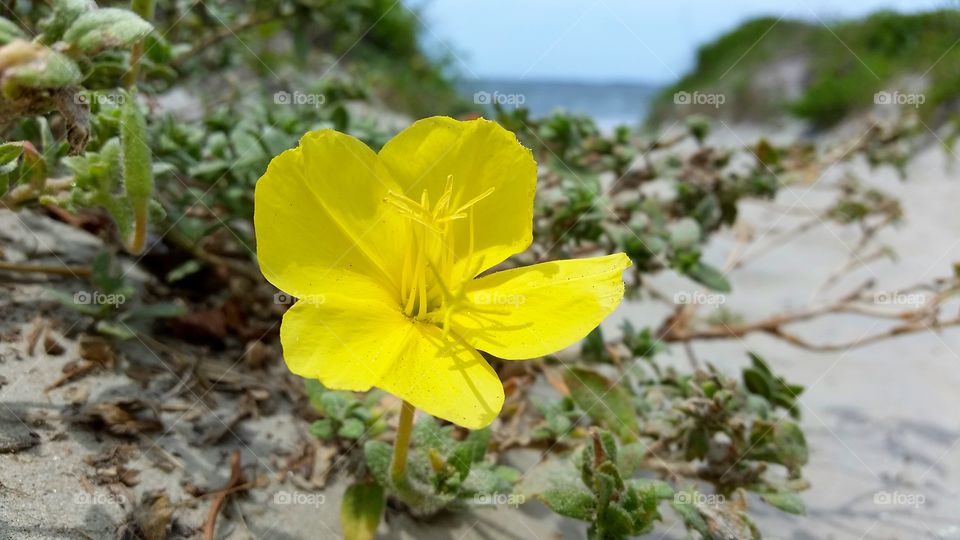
<point x="383" y="251"/>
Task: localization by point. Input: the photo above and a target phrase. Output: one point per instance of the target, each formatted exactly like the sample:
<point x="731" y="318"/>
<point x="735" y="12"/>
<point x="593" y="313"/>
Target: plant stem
<point x="145" y="9"/>
<point x="398" y="467"/>
<point x="139" y="239"/>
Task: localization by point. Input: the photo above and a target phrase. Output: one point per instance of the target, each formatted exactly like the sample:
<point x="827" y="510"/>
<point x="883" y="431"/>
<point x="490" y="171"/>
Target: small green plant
<point x="344" y="416"/>
<point x="616" y="506"/>
<point x="442" y="472"/>
<point x="111" y="301"/>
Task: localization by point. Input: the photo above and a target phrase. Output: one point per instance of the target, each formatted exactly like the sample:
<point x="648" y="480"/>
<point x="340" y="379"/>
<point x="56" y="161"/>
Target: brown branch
<point x="235" y="484"/>
<point x="56" y="270"/>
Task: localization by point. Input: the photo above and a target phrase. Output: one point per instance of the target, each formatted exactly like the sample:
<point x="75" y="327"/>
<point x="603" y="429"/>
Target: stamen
<point x="445" y="198"/>
<point x="429" y="289"/>
<point x="475" y="200"/>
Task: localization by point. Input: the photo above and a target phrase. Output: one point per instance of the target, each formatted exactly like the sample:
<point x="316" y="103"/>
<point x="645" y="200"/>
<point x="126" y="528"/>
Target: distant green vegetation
<point x="844" y="64"/>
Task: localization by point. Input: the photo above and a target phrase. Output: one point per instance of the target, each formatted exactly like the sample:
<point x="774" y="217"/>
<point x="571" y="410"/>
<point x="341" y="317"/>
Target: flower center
<point x="429" y="286"/>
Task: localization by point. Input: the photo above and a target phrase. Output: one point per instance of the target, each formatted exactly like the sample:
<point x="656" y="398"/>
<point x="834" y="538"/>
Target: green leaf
<point x="709" y="276"/>
<point x="507" y="474"/>
<point x="476" y="443"/>
<point x="788" y="501"/>
<point x="183" y="270"/>
<point x="352" y="428"/>
<point x="608" y="404"/>
<point x="69" y="300"/>
<point x="322" y="428"/>
<point x="657" y="489"/>
<point x="616" y="520"/>
<point x="64" y="13"/>
<point x="360" y="511"/>
<point x="164" y="310"/>
<point x="9" y="152"/>
<point x="484" y="480"/>
<point x="107" y="28"/>
<point x="9" y="31"/>
<point x="684" y="506"/>
<point x="759" y="363"/>
<point x="593" y="347"/>
<point x="781" y="442"/>
<point x="377" y="455"/>
<point x="697" y="443"/>
<point x="766" y="153"/>
<point x="119" y="331"/>
<point x="41" y="68"/>
<point x="428" y="434"/>
<point x="758" y="382"/>
<point x="334" y="404"/>
<point x="461" y="460"/>
<point x="137" y="172"/>
<point x="684" y="233"/>
<point x="631" y="457"/>
<point x="570" y="501"/>
<point x="315" y="391"/>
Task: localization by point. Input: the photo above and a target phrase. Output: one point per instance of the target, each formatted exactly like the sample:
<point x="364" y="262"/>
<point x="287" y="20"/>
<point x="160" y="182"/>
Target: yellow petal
<point x="320" y="207"/>
<point x="345" y="340"/>
<point x="537" y="310"/>
<point x="362" y="340"/>
<point x="446" y="378"/>
<point x="476" y="155"/>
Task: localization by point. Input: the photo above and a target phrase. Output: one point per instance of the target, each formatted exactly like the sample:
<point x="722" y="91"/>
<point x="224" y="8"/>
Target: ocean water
<point x="610" y="104"/>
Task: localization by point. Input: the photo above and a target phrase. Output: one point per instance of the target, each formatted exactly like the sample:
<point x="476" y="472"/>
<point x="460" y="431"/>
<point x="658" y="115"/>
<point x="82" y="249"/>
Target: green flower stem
<point x="139" y="239"/>
<point x="145" y="9"/>
<point x="398" y="467"/>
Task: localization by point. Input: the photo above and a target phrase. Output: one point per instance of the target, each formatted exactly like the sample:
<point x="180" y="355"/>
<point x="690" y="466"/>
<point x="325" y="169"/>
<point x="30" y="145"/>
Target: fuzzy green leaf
<point x="65" y="12"/>
<point x="608" y="404"/>
<point x="360" y="511"/>
<point x="322" y="428"/>
<point x="137" y="172"/>
<point x="377" y="455"/>
<point x="164" y="310"/>
<point x="787" y="501"/>
<point x="352" y="428"/>
<point x="46" y="69"/>
<point x="9" y="31"/>
<point x="570" y="501"/>
<point x="709" y="276"/>
<point x="108" y="28"/>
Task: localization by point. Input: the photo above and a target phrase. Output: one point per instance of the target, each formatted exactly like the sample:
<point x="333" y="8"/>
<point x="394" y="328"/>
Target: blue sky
<point x="606" y="40"/>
